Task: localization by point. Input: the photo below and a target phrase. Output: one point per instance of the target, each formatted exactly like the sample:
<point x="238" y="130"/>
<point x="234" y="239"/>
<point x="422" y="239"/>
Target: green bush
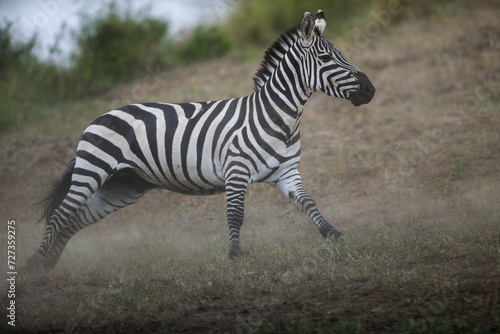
<point x="206" y="42"/>
<point x="112" y="47"/>
<point x="15" y="57"/>
<point x="118" y="47"/>
<point x="259" y="22"/>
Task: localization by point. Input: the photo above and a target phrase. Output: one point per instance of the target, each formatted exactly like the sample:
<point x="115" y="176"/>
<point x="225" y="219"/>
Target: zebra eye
<point x="325" y="58"/>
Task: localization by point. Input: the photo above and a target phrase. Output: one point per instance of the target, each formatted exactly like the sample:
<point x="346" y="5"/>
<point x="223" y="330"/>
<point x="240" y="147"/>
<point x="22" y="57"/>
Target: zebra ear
<point x="307" y="26"/>
<point x="320" y="23"/>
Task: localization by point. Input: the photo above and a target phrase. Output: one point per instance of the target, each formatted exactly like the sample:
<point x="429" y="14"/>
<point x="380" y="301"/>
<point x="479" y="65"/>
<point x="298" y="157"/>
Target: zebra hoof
<point x="335" y="236"/>
<point x="235" y="252"/>
<point x="38" y="262"/>
<point x="338" y="238"/>
<point x="331" y="234"/>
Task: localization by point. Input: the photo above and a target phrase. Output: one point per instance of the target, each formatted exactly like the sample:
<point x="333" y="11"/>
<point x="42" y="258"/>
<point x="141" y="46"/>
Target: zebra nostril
<point x="367" y="90"/>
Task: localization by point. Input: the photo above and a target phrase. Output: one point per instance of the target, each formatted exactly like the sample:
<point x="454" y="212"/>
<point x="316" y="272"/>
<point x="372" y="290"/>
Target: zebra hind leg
<point x="236" y="188"/>
<point x="122" y="189"/>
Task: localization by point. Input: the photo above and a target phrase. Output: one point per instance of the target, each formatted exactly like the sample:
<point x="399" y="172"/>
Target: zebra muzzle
<point x="365" y="92"/>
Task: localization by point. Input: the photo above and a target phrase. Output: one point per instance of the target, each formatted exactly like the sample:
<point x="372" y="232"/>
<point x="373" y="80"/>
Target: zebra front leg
<point x="236" y="188"/>
<point x="291" y="185"/>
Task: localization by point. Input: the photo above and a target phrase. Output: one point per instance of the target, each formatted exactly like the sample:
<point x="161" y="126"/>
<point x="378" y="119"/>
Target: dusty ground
<point x="420" y="162"/>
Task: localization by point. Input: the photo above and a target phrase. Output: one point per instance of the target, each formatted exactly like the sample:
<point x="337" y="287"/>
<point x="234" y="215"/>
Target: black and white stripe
<point x="207" y="147"/>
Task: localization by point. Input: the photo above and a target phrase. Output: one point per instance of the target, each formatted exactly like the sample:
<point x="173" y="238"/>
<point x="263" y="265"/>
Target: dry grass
<point x="412" y="179"/>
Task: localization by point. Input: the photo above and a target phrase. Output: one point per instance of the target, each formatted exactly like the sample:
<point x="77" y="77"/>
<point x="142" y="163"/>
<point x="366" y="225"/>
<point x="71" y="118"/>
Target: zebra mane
<point x="273" y="56"/>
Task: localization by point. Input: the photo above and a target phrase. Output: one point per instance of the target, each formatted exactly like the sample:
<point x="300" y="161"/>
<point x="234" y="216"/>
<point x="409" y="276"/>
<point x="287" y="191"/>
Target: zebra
<point x="205" y="148"/>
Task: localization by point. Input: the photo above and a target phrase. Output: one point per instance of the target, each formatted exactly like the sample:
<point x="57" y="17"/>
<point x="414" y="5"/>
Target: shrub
<point x="206" y="42"/>
<point x="117" y="47"/>
<point x="14" y="57"/>
<point x="259" y="22"/>
<point x="112" y="47"/>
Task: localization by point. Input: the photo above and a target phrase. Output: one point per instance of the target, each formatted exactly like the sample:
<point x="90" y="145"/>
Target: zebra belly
<point x="194" y="180"/>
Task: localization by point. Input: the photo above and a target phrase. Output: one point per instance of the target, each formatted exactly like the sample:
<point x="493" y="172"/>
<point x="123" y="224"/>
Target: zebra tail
<point x="56" y="194"/>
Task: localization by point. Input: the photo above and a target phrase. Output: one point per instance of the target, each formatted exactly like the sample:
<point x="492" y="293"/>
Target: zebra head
<point x="329" y="71"/>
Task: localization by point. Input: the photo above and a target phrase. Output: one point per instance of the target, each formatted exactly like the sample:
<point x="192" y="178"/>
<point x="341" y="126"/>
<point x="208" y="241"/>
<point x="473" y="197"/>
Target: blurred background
<point x="55" y="50"/>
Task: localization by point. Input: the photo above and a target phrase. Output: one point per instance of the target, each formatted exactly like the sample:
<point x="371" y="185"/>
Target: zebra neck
<point x="283" y="102"/>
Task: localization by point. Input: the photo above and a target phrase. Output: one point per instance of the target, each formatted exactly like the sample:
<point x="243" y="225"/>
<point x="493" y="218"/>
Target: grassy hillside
<point x="412" y="179"/>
